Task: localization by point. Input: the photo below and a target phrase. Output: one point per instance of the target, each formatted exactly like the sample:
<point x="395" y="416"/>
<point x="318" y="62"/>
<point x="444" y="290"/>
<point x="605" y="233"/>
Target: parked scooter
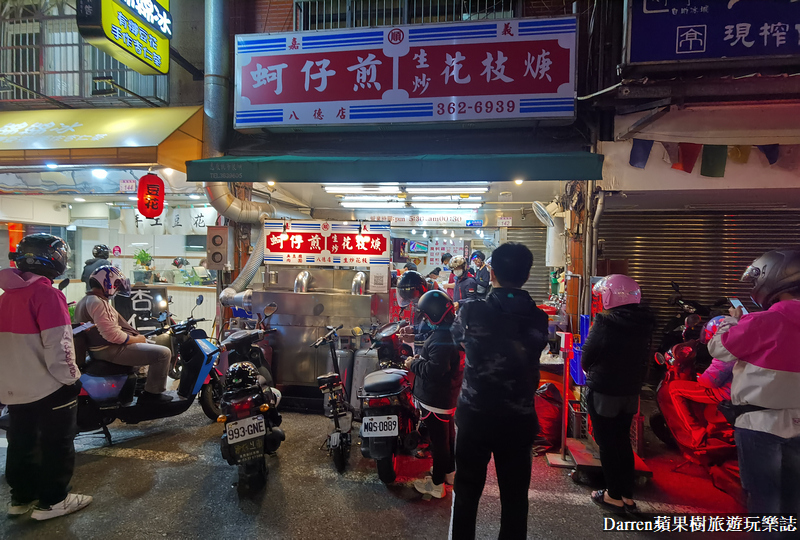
<point x="676" y="330"/>
<point x="390" y="418"/>
<point x="339" y="439"/>
<point x="108" y="391"/>
<point x="172" y="335"/>
<point x="250" y="414"/>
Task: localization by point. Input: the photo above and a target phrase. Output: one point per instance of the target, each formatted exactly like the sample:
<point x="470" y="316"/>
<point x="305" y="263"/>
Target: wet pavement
<point x="166" y="479"/>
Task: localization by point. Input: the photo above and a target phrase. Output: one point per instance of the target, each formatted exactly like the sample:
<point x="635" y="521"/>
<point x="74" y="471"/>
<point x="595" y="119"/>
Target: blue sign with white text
<point x="474" y="223"/>
<point x="690" y="30"/>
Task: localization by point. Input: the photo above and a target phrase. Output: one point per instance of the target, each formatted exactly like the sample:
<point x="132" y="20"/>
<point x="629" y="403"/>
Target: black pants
<point x="511" y="444"/>
<point x="442" y="430"/>
<point x="613" y="437"/>
<point x="41" y="454"/>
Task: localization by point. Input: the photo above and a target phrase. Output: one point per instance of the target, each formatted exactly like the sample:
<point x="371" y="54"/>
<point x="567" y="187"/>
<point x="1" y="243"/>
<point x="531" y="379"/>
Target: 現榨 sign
<point x="666" y="31"/>
<point x="326" y="243"/>
<point x="488" y="70"/>
<point x="135" y="32"/>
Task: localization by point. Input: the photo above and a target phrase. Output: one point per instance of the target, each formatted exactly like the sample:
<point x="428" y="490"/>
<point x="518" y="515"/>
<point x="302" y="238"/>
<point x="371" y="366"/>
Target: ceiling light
<point x="100" y="174"/>
<point x="51" y="165"/>
<point x="447" y="198"/>
<point x="133" y="198"/>
<point x="448" y="191"/>
<point x="167" y="171"/>
<point x="369" y="198"/>
<point x="372" y="205"/>
<point x="413" y="231"/>
<point x="424" y="234"/>
<point x="344" y="188"/>
<point x="79" y="199"/>
<point x="193" y="196"/>
<point x="460" y="239"/>
<point x="110" y="203"/>
<point x="519" y="181"/>
<point x="446" y="206"/>
<point x="70" y="207"/>
<point x="166" y="203"/>
<point x="270" y="182"/>
<point x="444" y="231"/>
<point x="452" y="234"/>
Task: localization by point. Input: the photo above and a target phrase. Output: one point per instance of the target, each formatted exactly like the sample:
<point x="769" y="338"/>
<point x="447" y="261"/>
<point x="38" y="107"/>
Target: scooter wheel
<point x="210" y="396"/>
<point x="661" y="430"/>
<point x="340" y="457"/>
<point x="386" y="470"/>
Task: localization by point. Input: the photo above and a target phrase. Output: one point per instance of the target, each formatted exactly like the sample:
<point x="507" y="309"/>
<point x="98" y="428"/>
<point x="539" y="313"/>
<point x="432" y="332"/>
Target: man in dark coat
<point x="503" y="336"/>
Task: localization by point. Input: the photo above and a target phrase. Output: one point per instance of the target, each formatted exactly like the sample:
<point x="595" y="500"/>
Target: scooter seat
<point x="101" y="368"/>
<point x="383" y="382"/>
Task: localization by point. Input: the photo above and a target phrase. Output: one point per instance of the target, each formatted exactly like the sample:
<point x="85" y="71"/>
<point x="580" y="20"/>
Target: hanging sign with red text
<point x="150" y="196"/>
<point x="326" y="243"/>
<point x="488" y="70"/>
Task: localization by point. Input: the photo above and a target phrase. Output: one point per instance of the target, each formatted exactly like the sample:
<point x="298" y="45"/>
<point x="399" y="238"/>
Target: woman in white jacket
<point x="766" y="379"/>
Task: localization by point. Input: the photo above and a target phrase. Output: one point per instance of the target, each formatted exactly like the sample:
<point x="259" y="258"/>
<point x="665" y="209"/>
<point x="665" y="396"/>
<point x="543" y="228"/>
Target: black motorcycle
<point x="389" y="415"/>
<point x="250" y="413"/>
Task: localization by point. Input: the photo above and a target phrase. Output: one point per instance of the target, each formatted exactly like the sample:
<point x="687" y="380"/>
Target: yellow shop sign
<point x="135" y="32"/>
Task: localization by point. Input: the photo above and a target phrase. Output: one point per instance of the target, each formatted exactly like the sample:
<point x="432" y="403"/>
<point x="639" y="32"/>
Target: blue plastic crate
<point x="575" y="369"/>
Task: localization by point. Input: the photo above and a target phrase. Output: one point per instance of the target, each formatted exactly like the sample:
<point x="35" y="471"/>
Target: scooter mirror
<point x="660" y="360"/>
<point x="162" y="317"/>
<point x="63" y="284"/>
<point x="357" y="331"/>
<point x="675" y="286"/>
<point x="270" y="309"/>
<point x="199" y="299"/>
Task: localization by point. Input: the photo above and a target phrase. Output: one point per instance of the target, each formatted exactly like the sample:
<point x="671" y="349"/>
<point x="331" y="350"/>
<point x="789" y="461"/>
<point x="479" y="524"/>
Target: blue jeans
<point x="770" y="471"/>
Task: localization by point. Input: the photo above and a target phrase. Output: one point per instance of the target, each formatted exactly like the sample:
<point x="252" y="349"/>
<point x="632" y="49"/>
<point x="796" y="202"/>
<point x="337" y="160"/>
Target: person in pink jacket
<point x="765" y="392"/>
<point x="40" y="380"/>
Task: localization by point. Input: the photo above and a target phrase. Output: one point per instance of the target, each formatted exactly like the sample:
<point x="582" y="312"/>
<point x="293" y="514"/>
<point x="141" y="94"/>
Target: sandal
<point x="598" y="497"/>
<point x="630" y="508"/>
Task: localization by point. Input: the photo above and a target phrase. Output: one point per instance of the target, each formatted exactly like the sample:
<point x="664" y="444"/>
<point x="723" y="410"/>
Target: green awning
<point x="416" y="169"/>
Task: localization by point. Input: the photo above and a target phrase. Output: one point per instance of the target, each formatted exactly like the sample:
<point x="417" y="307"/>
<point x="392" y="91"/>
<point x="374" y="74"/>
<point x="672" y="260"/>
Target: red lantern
<point x="151" y="196"/>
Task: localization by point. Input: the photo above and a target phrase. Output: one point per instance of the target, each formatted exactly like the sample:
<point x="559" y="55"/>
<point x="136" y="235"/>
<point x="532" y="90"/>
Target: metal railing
<point x="333" y="14"/>
<point x="48" y="55"/>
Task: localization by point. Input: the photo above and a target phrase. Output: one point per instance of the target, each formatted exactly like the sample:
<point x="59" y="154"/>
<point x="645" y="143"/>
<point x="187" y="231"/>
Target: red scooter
<point x="717" y="454"/>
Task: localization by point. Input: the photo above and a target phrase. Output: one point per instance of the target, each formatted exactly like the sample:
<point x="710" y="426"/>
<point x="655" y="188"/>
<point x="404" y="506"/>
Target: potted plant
<point x="141" y="269"/>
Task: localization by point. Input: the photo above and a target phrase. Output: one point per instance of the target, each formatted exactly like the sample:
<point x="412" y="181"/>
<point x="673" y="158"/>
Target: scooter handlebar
<point x="327" y="336"/>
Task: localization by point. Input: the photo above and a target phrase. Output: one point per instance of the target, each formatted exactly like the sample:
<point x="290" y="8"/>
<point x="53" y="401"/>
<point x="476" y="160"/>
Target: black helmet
<point x="773" y="273"/>
<point x="437" y="307"/>
<point x="179" y="262"/>
<point x="241" y="375"/>
<point x="42" y="254"/>
<point x="100" y="251"/>
<point x="410" y="287"/>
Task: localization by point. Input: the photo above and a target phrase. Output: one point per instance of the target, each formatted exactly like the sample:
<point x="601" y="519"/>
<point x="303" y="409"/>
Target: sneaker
<point x="449" y="478"/>
<point x="16" y="509"/>
<point x="148" y="397"/>
<point x="427" y="487"/>
<point x="72" y="503"/>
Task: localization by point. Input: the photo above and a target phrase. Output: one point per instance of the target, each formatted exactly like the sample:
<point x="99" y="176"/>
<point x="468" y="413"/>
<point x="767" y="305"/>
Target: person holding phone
<point x="766" y="377"/>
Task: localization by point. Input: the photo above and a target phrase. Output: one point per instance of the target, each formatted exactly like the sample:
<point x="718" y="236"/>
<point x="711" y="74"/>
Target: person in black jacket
<point x="503" y="336"/>
<point x="615" y="360"/>
<point x="482" y="277"/>
<point x="100" y="254"/>
<point x="438" y="378"/>
<point x="465" y="287"/>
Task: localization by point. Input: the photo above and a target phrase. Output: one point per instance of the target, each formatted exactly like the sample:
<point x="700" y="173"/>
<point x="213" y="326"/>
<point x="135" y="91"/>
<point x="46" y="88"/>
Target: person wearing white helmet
<point x="765" y="402"/>
<point x="114" y="340"/>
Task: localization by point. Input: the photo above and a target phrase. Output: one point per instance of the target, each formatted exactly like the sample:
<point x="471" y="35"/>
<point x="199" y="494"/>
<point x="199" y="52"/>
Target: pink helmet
<point x="618" y="290"/>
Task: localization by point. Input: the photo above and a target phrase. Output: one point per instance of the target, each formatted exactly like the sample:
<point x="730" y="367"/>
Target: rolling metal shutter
<point x="535" y="238"/>
<point x="705" y="253"/>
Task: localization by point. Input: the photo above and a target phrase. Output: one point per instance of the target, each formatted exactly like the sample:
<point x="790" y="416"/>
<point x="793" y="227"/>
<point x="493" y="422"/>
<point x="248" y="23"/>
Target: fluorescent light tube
<point x="455" y="190"/>
<point x="446" y="206"/>
<point x="369" y="205"/>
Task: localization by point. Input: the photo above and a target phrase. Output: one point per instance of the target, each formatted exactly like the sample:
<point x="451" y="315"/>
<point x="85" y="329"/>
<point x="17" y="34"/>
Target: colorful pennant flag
<point x="689" y="153"/>
<point x="714" y="159"/>
<point x="739" y="153"/>
<point x="640" y="153"/>
<point x="771" y="151"/>
<point x="672" y="152"/>
<point x="789" y="157"/>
